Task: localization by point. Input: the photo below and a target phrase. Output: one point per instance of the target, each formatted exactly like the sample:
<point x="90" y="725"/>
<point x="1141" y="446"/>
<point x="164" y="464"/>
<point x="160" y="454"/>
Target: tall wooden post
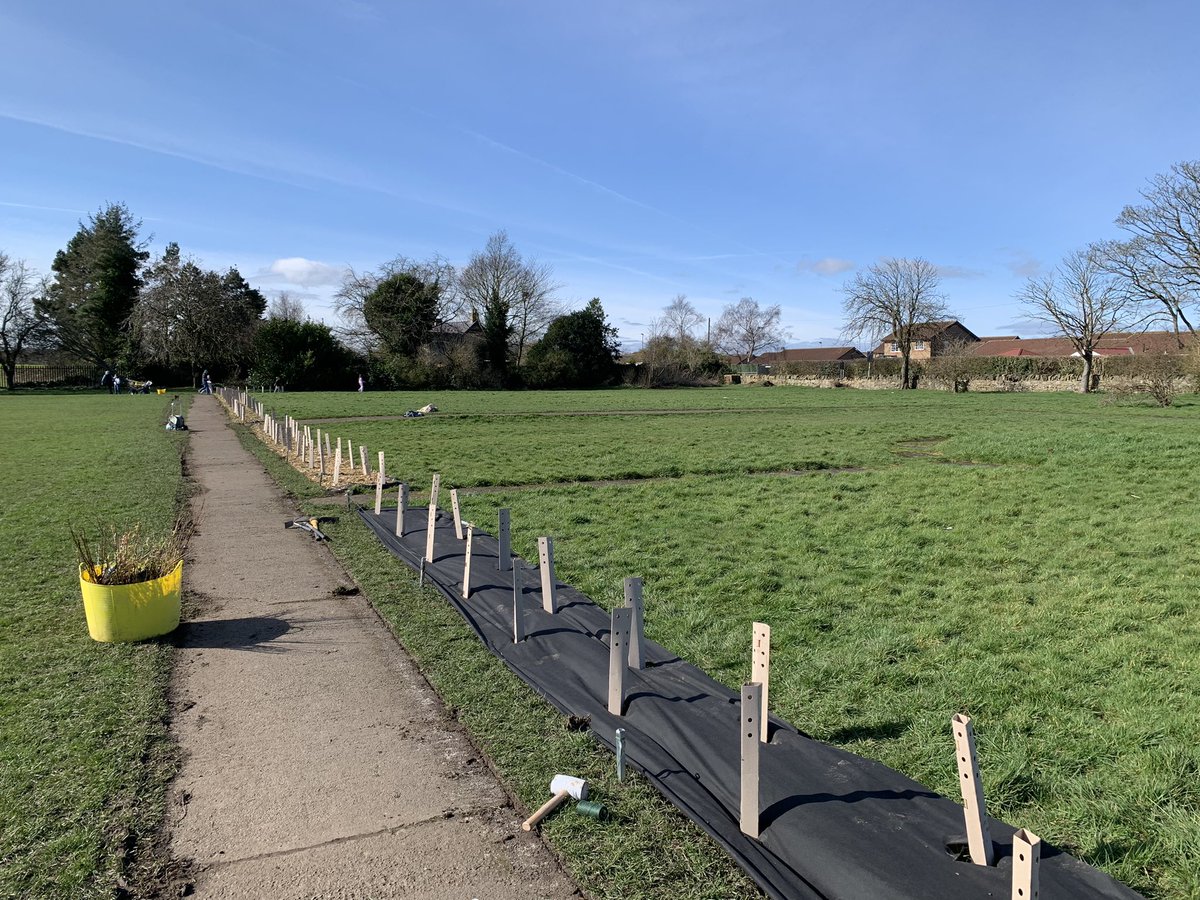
<point x="349" y="453"/>
<point x="362" y="456"/>
<point x="337" y="464"/>
<point x="549" y="585"/>
<point x="458" y="524"/>
<point x="466" y="585"/>
<point x="401" y="508"/>
<point x="979" y="838"/>
<point x="750" y="740"/>
<point x="518" y="611"/>
<point x="381" y="474"/>
<point x="504" y="536"/>
<point x="618" y="659"/>
<point x="433" y="497"/>
<point x="760" y="670"/>
<point x="378" y="493"/>
<point x="633" y="600"/>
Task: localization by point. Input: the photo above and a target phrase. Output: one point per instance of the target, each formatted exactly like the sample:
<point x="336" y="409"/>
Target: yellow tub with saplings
<point x="131" y="612"/>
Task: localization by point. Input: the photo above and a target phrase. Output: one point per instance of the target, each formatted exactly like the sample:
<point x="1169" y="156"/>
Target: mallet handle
<point x="546" y="808"/>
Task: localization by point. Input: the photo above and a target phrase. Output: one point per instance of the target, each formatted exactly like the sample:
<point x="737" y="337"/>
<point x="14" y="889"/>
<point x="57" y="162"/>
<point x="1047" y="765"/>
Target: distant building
<point x="1117" y="344"/>
<point x="929" y="340"/>
<point x="807" y="354"/>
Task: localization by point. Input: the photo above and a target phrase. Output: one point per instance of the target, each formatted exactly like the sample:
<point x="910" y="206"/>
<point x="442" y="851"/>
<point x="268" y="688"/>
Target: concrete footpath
<point x="316" y="761"/>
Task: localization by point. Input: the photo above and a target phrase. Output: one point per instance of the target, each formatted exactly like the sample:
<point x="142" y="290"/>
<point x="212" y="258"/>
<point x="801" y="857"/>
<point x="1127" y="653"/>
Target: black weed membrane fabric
<point x="834" y="825"/>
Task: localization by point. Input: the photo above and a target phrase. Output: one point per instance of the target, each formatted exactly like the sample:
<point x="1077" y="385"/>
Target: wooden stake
<point x="362" y="455"/>
<point x="760" y="669"/>
<point x="435" y="489"/>
<point x="518" y="612"/>
<point x="979" y="838"/>
<point x="328" y="452"/>
<point x="433" y="492"/>
<point x="750" y="740"/>
<point x="321" y="457"/>
<point x="549" y="586"/>
<point x="349" y="453"/>
<point x="381" y="464"/>
<point x="618" y="659"/>
<point x="458" y="525"/>
<point x="337" y="464"/>
<point x="379" y="493"/>
<point x="1027" y="856"/>
<point x="466" y="587"/>
<point x="504" y="558"/>
<point x="401" y="508"/>
<point x="633" y="599"/>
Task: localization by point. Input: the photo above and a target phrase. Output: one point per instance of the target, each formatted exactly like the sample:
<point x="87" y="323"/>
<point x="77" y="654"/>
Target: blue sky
<point x="643" y="150"/>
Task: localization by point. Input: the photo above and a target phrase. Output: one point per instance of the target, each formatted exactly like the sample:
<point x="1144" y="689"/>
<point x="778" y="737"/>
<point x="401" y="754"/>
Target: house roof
<point x="929" y="330"/>
<point x="808" y="354"/>
<point x="1122" y="344"/>
<point x="456" y="327"/>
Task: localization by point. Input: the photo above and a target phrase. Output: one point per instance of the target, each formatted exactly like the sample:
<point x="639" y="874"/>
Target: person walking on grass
<point x="360" y="384"/>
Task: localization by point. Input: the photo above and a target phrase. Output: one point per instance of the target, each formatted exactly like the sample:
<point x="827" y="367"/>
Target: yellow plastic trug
<point x="131" y="612"/>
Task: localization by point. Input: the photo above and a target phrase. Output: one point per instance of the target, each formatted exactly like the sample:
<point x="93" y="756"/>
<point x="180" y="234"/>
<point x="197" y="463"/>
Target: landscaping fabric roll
<point x="833" y="825"/>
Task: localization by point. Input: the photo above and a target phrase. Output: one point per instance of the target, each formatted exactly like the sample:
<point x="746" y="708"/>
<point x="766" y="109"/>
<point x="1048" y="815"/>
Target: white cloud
<point x="306" y="272"/>
<point x="830" y="265"/>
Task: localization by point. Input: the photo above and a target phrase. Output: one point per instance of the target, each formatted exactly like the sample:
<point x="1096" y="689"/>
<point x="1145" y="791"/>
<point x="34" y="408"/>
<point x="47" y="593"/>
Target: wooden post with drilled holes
<point x="618" y="659"/>
<point x="401" y="508"/>
<point x="381" y="472"/>
<point x="337" y="465"/>
<point x="760" y="670"/>
<point x="1026" y="858"/>
<point x="430" y="528"/>
<point x="750" y="740"/>
<point x="549" y="586"/>
<point x="979" y="838"/>
<point x="633" y="600"/>
<point x="378" y="493"/>
<point x="458" y="523"/>
<point x="504" y="537"/>
<point x="466" y="585"/>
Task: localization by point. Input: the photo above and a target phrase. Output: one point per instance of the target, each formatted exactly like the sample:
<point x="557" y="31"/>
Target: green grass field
<point x="84" y="754"/>
<point x="1026" y="559"/>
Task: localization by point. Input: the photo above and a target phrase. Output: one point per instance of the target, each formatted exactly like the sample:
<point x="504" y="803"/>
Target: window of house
<point x="894" y="346"/>
<point x="920" y="345"/>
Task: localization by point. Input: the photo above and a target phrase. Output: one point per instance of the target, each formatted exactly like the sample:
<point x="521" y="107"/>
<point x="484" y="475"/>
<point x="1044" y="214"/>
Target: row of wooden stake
<point x="310" y="446"/>
<point x="626" y="652"/>
<point x="627" y="635"/>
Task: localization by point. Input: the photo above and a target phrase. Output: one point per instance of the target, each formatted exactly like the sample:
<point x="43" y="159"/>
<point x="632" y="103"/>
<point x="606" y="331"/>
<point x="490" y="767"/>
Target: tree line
<point x="494" y="323"/>
<point x="1149" y="280"/>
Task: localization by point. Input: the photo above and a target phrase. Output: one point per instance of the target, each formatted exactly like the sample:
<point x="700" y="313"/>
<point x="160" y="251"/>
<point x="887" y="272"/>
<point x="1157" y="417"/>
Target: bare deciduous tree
<point x="22" y="327"/>
<point x="286" y="307"/>
<point x="681" y="320"/>
<point x="1083" y="302"/>
<point x="1162" y="262"/>
<point x="893" y="297"/>
<point x="500" y="279"/>
<point x="746" y="329"/>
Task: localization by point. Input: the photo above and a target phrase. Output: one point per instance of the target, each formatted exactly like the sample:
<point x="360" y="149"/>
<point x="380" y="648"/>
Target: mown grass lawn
<point x="1027" y="559"/>
<point x="84" y="753"/>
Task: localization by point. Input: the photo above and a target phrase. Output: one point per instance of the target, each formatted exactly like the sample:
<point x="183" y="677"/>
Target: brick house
<point x="928" y="340"/>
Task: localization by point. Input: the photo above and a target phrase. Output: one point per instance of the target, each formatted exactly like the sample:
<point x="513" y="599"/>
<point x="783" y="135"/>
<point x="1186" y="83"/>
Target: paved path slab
<point x="317" y="761"/>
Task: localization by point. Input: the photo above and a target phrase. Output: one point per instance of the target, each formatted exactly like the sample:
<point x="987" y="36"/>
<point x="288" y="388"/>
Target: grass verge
<point x="85" y="755"/>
